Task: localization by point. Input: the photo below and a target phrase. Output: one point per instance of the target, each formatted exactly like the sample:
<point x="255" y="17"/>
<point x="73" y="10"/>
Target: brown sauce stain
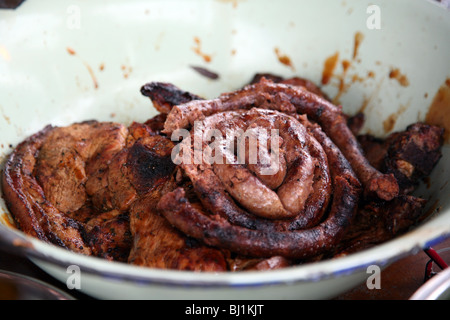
<point x="346" y="65"/>
<point x="72" y="52"/>
<point x="92" y="74"/>
<point x="198" y="50"/>
<point x="367" y="100"/>
<point x="364" y="105"/>
<point x="397" y="75"/>
<point x="284" y="59"/>
<point x="358" y="39"/>
<point x="328" y="67"/>
<point x="439" y="111"/>
<point x="344" y="82"/>
<point x="389" y="123"/>
<point x="343" y="85"/>
<point x="7" y="119"/>
<point x="126" y="71"/>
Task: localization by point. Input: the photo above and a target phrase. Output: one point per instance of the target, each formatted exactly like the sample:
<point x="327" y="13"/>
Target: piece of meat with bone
<point x="409" y="155"/>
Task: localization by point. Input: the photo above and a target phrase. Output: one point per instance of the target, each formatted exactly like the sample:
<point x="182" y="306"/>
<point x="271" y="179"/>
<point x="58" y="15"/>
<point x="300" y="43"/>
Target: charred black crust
<point x="167" y="94"/>
<point x="148" y="169"/>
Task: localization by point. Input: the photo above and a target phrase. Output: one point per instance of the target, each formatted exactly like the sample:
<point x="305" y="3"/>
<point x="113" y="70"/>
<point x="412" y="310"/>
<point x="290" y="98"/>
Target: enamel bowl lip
<point x="381" y="255"/>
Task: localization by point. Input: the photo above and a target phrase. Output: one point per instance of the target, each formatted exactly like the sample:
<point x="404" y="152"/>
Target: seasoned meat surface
<point x="73" y="155"/>
<point x="410" y="155"/>
<point x="34" y="214"/>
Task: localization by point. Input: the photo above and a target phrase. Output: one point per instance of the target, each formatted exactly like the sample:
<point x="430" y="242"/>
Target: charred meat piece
<point x="413" y="154"/>
<point x="409" y="155"/>
<point x="380" y="221"/>
<point x="356" y="122"/>
<point x="75" y="156"/>
<point x="165" y="95"/>
<point x="47" y="183"/>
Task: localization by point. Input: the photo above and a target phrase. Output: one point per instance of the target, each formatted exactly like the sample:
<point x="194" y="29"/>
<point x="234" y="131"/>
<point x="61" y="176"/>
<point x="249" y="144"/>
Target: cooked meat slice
<point x="149" y="163"/>
<point x="273" y="263"/>
<point x="25" y="198"/>
<point x="157" y="244"/>
<point x="73" y="155"/>
<point x="269" y="76"/>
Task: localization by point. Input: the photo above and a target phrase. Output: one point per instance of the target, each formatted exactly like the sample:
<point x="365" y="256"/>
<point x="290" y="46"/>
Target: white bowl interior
<point x="65" y="61"/>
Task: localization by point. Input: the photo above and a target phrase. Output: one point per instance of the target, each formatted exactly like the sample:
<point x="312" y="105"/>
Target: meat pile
<point x="116" y="192"/>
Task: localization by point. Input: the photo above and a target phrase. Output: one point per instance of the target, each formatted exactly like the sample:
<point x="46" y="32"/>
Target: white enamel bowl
<point x="65" y="61"/>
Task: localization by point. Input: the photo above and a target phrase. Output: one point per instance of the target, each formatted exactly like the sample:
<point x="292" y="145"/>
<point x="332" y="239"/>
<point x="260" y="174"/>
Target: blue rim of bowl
<point x="21" y="244"/>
